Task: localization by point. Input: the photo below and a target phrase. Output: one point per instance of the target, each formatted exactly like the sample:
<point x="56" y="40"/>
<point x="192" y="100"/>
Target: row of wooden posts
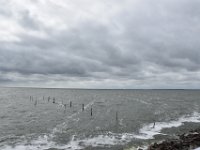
<point x="65" y="105"/>
<point x="83" y="107"/>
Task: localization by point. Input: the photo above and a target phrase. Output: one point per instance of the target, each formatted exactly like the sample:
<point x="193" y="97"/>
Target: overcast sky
<point x="100" y="43"/>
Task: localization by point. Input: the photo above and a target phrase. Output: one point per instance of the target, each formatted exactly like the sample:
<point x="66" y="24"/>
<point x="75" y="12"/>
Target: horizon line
<point x="100" y="88"/>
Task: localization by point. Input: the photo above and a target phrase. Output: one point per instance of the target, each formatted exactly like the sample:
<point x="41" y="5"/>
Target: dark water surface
<point x="120" y="118"/>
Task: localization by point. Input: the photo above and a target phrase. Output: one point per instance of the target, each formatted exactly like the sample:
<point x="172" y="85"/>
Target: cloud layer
<point x="100" y="44"/>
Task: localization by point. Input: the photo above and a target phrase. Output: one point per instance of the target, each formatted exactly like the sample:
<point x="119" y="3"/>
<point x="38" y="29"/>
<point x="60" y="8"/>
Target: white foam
<point x="137" y="148"/>
<point x="108" y="139"/>
<point x="43" y="142"/>
<point x="148" y="132"/>
<point x="100" y="140"/>
<point x="58" y="128"/>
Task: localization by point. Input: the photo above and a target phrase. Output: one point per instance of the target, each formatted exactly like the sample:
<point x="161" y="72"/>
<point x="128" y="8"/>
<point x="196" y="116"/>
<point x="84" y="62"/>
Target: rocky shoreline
<point x="186" y="141"/>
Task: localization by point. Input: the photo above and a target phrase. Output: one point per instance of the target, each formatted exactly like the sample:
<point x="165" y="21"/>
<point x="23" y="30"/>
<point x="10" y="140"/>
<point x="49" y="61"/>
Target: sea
<point x="89" y="119"/>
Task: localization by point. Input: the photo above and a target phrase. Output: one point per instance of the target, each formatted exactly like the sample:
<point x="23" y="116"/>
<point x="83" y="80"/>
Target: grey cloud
<point x="78" y="49"/>
<point x="4" y="11"/>
<point x="158" y="41"/>
<point x="163" y="32"/>
<point x="29" y="21"/>
<point x="5" y="80"/>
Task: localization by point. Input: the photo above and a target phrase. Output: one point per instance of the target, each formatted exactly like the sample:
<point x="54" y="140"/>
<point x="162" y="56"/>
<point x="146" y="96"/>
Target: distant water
<point x="121" y="119"/>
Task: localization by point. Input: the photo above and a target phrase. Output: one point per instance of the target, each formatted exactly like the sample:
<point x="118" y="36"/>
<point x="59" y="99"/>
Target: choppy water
<point x="121" y="118"/>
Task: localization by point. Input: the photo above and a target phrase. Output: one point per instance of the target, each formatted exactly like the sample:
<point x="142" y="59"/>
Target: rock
<point x="184" y="142"/>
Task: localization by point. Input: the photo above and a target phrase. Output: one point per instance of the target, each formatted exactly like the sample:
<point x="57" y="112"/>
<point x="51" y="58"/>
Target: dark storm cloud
<point x="144" y="44"/>
<point x="70" y="53"/>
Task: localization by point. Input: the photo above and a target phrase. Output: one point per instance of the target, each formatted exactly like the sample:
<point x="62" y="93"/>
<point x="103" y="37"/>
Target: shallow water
<point x="121" y="118"/>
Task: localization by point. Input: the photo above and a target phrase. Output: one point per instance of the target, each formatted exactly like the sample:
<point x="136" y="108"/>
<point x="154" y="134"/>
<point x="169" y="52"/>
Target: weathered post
<point x="35" y="104"/>
<point x="82" y="107"/>
<point x="91" y="111"/>
<point x="116" y="121"/>
<point x="54" y="100"/>
<point x="70" y="104"/>
<point x="154" y="124"/>
<point x="116" y="117"/>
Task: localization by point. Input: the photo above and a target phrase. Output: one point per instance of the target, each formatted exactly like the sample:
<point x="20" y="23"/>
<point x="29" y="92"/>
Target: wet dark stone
<point x="184" y="142"/>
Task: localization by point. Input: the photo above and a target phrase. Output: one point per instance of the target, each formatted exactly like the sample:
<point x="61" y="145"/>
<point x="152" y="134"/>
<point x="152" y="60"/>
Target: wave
<point x="42" y="143"/>
<point x="148" y="132"/>
<point x="104" y="140"/>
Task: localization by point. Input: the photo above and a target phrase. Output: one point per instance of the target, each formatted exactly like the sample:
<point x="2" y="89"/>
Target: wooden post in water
<point x="35" y="104"/>
<point x="54" y="100"/>
<point x="154" y="124"/>
<point x="91" y="111"/>
<point x="70" y="104"/>
<point x="82" y="107"/>
<point x="65" y="105"/>
<point x="116" y="121"/>
<point x="116" y="117"/>
<point x="31" y="98"/>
